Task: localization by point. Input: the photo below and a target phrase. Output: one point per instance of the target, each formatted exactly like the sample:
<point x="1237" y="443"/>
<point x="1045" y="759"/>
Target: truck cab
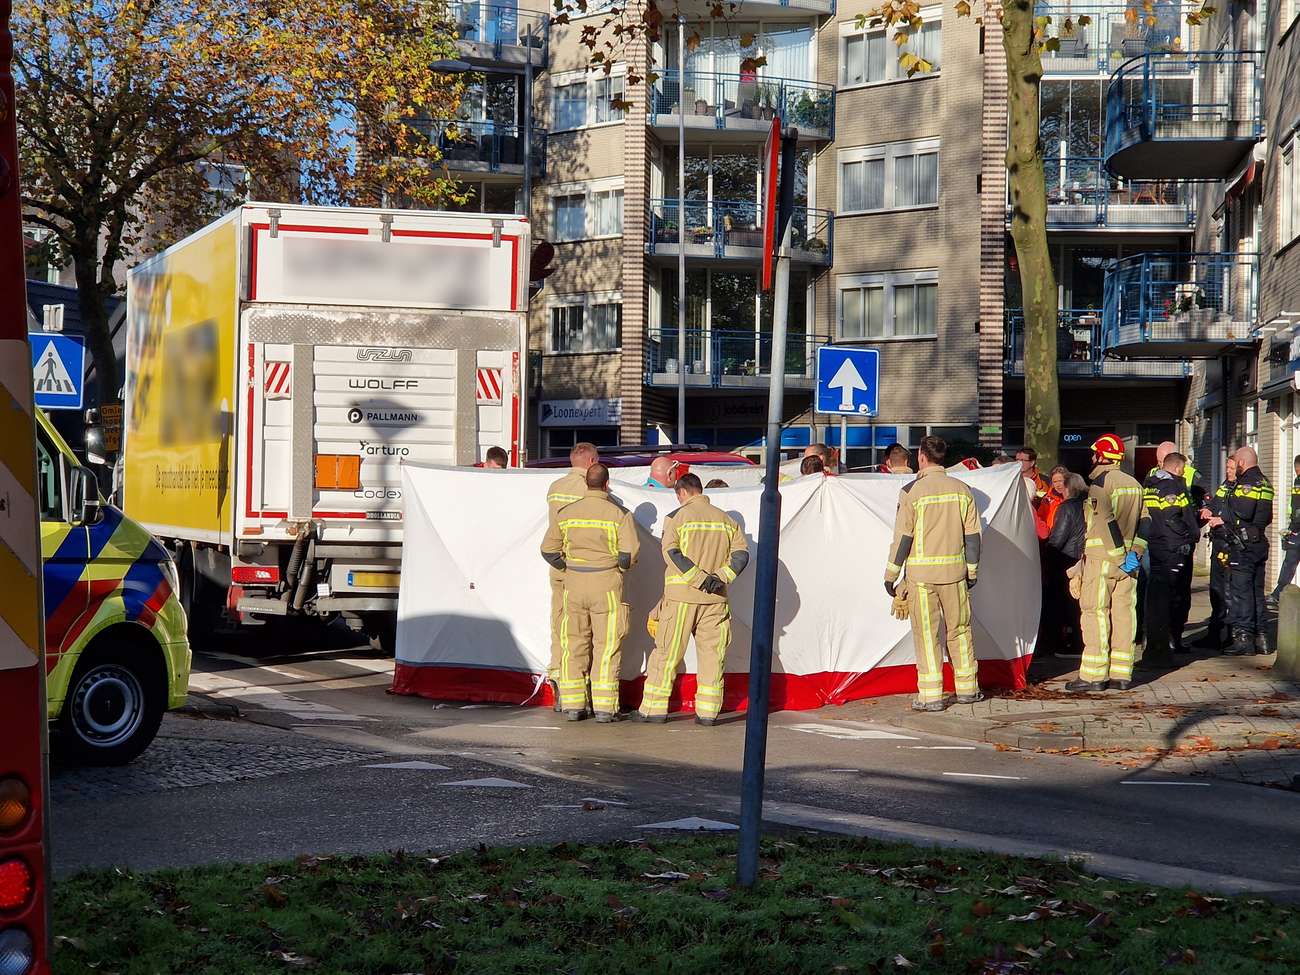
<point x="116" y="654"/>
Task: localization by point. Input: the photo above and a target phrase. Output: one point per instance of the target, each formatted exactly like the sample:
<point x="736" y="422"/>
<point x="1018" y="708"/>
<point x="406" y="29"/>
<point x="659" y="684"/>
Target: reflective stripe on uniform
<point x="610" y="529"/>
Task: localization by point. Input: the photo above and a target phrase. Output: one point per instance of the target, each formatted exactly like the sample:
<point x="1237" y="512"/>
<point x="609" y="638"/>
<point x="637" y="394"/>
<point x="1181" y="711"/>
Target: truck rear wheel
<point x="381" y="630"/>
<point x="200" y="598"/>
<point x="114" y="706"/>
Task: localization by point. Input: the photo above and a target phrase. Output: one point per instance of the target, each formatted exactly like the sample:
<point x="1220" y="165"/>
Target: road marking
<point x="421" y="766"/>
<point x="692" y="823"/>
<point x="268" y="698"/>
<point x="849" y="734"/>
<point x="981" y="775"/>
<point x="843" y="770"/>
<point x="518" y="727"/>
<point x="1159" y="782"/>
<point x="607" y="802"/>
<point x="490" y="783"/>
<point x="942" y="748"/>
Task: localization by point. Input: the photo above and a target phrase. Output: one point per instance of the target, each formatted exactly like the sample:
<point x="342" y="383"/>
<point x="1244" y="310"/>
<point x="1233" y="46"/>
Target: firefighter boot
<point x="1243" y="643"/>
<point x="1085" y="686"/>
<point x="1264" y="643"/>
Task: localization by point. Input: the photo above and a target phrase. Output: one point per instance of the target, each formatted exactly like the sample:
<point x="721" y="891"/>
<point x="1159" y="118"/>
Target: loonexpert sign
<point x="848" y="380"/>
<point x="58" y="370"/>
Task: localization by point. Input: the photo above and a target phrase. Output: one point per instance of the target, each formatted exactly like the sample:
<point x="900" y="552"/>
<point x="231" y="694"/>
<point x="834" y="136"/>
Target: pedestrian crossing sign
<point x="58" y="370"/>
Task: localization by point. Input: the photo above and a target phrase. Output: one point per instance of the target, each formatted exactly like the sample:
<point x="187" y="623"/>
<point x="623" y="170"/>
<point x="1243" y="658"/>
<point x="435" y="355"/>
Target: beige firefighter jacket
<point x="936" y="530"/>
<point x="701" y="540"/>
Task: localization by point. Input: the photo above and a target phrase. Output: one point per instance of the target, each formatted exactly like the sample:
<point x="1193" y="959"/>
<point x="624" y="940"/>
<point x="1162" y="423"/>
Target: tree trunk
<point x="94" y="316"/>
<point x="1029" y="232"/>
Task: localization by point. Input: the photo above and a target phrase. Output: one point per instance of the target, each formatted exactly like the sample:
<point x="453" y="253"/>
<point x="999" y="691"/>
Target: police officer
<point x="937" y="540"/>
<point x="1195" y="488"/>
<point x="593" y="542"/>
<point x="568" y="489"/>
<point x="1112" y="550"/>
<point x="1246" y="514"/>
<point x="1171" y="539"/>
<point x="1290" y="540"/>
<point x="1213" y="506"/>
<point x="704" y="551"/>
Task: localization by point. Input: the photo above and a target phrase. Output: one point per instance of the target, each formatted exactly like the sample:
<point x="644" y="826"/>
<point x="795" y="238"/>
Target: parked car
<point x="640" y="455"/>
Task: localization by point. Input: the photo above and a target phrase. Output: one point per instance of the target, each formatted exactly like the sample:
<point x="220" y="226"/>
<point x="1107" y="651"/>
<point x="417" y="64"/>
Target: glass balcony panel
<point x="729" y="357"/>
<point x="742" y="100"/>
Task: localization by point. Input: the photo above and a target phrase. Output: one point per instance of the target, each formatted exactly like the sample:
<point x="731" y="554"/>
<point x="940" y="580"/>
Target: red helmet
<point x="1108" y="447"/>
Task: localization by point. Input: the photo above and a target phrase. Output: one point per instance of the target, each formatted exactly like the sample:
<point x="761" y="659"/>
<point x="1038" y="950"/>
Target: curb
<point x="200" y="705"/>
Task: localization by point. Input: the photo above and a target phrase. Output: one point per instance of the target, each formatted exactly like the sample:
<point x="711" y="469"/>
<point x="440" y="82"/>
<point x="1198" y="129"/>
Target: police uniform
<point x="593" y="540"/>
<point x="568" y="489"/>
<point x="1290" y="543"/>
<point x="937" y="540"/>
<point x="1117" y="524"/>
<point x="1171" y="538"/>
<point x="700" y="542"/>
<point x="1196" y="491"/>
<point x="1247" y="512"/>
<point x="1220" y="596"/>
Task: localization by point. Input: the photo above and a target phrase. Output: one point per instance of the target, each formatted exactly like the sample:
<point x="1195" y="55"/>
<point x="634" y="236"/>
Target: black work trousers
<point x="1246" y="610"/>
<point x="1219" y="594"/>
<point x="1167" y="599"/>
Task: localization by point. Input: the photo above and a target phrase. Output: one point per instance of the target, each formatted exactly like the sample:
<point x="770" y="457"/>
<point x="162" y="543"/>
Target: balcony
<point x="720" y="230"/>
<point x="1115" y="33"/>
<point x="1082" y="196"/>
<point x="1078" y="350"/>
<point x="1179" y="306"/>
<point x="730" y="358"/>
<point x="741" y="105"/>
<point x="491" y="35"/>
<point x="481" y="146"/>
<point x="1183" y="116"/>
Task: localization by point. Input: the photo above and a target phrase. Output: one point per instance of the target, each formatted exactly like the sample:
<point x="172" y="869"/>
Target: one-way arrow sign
<point x="848" y="380"/>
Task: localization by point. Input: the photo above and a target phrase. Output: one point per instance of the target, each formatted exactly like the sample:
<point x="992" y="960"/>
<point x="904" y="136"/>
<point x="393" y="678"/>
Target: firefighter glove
<point x="713" y="585"/>
<point x="889" y="588"/>
<point x="1130" y="564"/>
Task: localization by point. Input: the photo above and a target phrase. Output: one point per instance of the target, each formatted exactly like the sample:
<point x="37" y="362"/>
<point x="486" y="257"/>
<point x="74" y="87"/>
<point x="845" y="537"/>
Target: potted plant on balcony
<point x="816" y="245"/>
<point x="767" y="101"/>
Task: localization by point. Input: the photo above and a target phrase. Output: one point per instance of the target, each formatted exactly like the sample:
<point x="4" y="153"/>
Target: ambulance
<point x="116" y="653"/>
<point x="282" y="364"/>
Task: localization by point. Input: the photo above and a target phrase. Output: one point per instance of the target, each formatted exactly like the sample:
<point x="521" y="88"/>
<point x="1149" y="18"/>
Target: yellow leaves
<point x="962" y="8"/>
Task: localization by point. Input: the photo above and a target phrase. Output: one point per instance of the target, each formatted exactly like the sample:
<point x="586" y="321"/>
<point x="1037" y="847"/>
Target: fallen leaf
<point x="980" y="909"/>
<point x="274" y="895"/>
<point x="901" y="962"/>
<point x="592" y="807"/>
<point x="1269" y="744"/>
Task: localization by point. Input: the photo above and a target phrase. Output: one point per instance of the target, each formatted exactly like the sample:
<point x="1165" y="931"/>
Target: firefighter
<point x="1246" y="513"/>
<point x="937" y="540"/>
<point x="568" y="489"/>
<point x="1290" y="540"/>
<point x="1219" y="594"/>
<point x="1171" y="539"/>
<point x="1116" y="539"/>
<point x="593" y="542"/>
<point x="704" y="551"/>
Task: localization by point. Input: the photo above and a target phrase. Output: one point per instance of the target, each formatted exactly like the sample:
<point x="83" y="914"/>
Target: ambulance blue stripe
<point x="139" y="583"/>
<point x="61" y="570"/>
<point x="102" y="532"/>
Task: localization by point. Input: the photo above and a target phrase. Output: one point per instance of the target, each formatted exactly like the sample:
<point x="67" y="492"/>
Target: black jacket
<point x="1249" y="507"/>
<point x="1175" y="520"/>
<point x="1069" y="529"/>
<point x="1294" y="524"/>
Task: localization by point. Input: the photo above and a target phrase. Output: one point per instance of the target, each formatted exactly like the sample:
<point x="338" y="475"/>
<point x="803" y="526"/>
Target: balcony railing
<point x="1182" y="305"/>
<point x="1183" y="116"/>
<point x="1115" y="33"/>
<point x="731" y="230"/>
<point x="484" y="146"/>
<point x="1081" y="194"/>
<point x="721" y="358"/>
<point x="493" y="32"/>
<point x="1078" y="350"/>
<point x="725" y="100"/>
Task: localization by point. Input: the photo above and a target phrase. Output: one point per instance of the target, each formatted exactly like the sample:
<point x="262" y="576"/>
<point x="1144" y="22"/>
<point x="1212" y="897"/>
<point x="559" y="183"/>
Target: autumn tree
<point x="1025" y="34"/>
<point x="124" y="107"/>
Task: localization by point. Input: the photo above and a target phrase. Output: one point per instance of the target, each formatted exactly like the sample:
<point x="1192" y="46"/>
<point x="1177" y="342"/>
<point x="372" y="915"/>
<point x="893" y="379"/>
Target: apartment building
<point x="885" y="238"/>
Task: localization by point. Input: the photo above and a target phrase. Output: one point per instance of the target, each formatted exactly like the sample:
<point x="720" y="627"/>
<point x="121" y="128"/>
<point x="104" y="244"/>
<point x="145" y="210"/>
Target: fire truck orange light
<point x="15" y="804"/>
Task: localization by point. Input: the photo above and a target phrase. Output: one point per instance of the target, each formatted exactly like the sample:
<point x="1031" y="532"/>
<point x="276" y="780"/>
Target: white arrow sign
<point x="846" y="380"/>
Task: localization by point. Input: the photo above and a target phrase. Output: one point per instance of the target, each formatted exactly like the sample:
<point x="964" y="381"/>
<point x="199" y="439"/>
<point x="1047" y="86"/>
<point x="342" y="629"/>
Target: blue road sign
<point x="848" y="380"/>
<point x="58" y="370"/>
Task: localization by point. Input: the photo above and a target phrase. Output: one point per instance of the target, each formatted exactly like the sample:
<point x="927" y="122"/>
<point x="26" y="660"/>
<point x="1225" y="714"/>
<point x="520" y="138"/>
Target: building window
<point x="889" y="305"/>
<point x="895" y="176"/>
<point x="579" y="100"/>
<point x="587" y="323"/>
<point x="583" y="212"/>
<point x="869" y="57"/>
<point x="1288" y="192"/>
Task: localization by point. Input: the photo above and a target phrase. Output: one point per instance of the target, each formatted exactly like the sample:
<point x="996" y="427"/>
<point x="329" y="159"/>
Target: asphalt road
<point x="293" y="775"/>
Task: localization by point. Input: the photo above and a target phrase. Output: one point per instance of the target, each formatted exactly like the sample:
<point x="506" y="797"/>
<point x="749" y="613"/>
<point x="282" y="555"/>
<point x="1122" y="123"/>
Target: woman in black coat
<point x="1063" y="548"/>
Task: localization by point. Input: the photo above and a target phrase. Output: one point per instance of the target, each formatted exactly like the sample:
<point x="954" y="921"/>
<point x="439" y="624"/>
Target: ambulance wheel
<point x="381" y="630"/>
<point x="114" y="706"/>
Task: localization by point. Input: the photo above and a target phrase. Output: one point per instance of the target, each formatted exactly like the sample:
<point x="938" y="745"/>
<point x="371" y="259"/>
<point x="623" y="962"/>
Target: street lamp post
<point x="681" y="229"/>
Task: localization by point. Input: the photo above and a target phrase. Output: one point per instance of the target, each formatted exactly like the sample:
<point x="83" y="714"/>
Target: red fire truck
<point x="24" y="922"/>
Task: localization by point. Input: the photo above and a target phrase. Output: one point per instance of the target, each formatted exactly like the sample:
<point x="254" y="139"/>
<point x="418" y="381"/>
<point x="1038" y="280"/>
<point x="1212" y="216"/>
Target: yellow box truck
<point x="282" y="363"/>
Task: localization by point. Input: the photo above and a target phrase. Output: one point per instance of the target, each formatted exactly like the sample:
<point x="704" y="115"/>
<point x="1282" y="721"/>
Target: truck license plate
<point x="374" y="580"/>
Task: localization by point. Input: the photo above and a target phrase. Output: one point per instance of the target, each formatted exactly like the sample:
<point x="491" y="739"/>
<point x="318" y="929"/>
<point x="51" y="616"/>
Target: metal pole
<point x="528" y="126"/>
<point x="681" y="229"/>
<point x="769" y="529"/>
<point x="844" y="441"/>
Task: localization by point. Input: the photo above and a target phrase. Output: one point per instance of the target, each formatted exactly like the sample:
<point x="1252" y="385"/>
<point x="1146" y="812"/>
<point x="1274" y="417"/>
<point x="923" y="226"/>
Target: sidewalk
<point x="1215" y="715"/>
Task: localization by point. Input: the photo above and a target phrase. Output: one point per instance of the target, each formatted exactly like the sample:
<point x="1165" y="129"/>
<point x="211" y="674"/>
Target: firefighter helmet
<point x="1108" y="447"/>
